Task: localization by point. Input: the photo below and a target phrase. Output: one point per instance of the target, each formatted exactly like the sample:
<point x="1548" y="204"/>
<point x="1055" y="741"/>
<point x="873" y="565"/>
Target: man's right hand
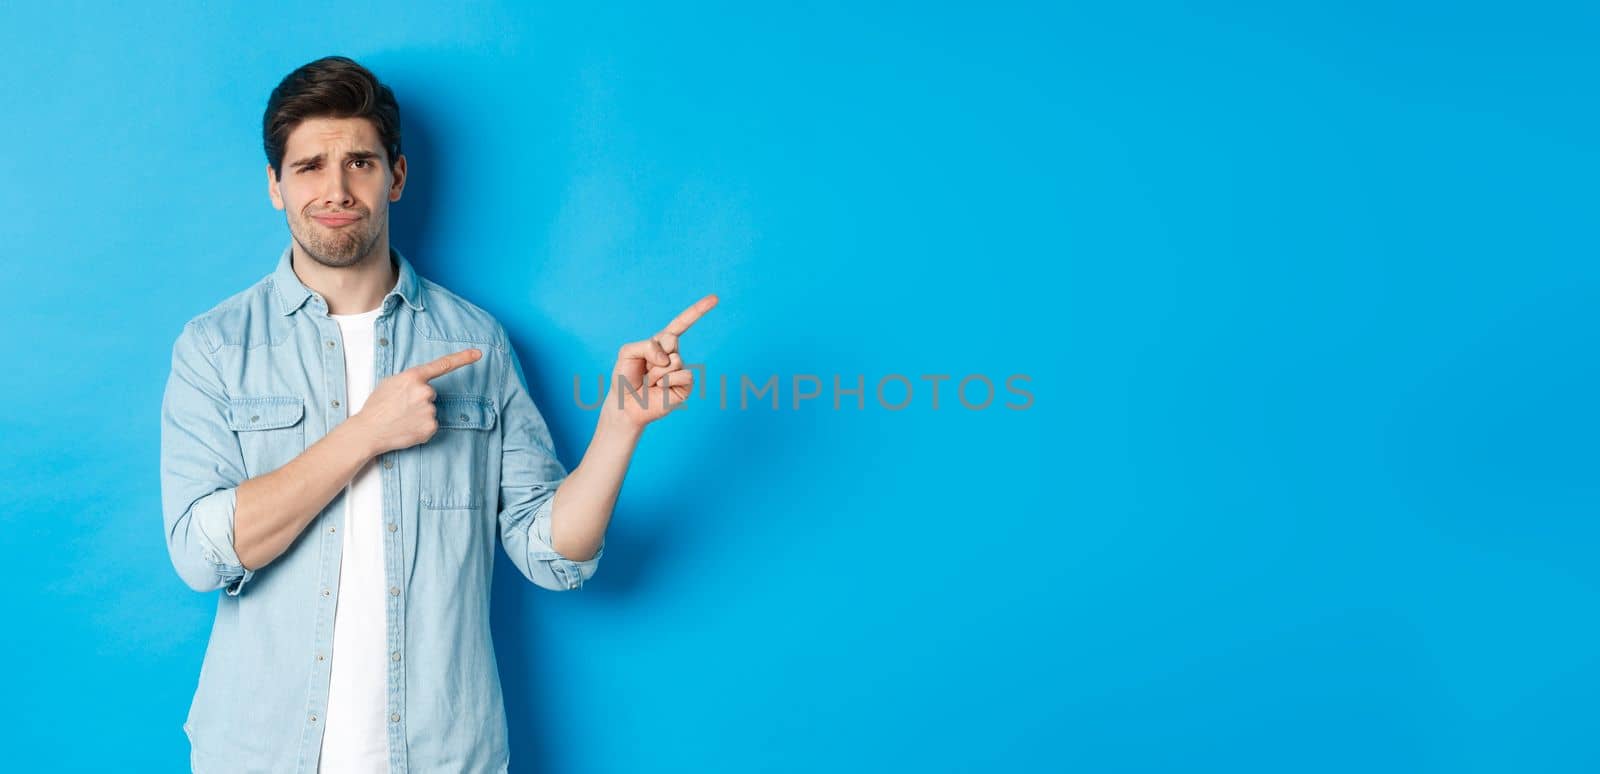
<point x="400" y="412"/>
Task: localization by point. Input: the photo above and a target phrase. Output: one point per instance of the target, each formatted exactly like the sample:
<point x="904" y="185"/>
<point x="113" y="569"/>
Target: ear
<point x="399" y="183"/>
<point x="272" y="189"/>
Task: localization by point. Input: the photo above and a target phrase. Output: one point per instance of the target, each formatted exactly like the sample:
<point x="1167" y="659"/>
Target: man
<point x="342" y="444"/>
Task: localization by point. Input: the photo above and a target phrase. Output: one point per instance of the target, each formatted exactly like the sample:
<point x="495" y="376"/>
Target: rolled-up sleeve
<point x="201" y="468"/>
<point x="529" y="476"/>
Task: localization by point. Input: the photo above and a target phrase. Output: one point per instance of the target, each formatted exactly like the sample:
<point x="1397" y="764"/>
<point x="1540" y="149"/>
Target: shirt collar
<point x="292" y="293"/>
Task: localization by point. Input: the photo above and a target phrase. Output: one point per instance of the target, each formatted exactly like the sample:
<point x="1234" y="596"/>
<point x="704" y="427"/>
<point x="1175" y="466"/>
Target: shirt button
<point x="335" y="402"/>
<point x="256" y="418"/>
<point x="321" y="657"/>
<point x="383" y="342"/>
<point x="313" y="717"/>
<point x="396" y="656"/>
<point x="325" y="592"/>
<point x="392" y="526"/>
<point x="394" y="591"/>
<point x="331" y="530"/>
<point x="394" y="717"/>
<point x="388" y="463"/>
<point x="330" y="344"/>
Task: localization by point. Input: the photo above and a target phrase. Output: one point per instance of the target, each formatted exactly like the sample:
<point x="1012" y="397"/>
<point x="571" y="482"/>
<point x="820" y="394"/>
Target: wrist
<point x="615" y="424"/>
<point x="354" y="432"/>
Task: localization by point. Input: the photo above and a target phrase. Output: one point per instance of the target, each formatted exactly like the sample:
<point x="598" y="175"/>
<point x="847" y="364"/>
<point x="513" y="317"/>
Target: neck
<point x="359" y="287"/>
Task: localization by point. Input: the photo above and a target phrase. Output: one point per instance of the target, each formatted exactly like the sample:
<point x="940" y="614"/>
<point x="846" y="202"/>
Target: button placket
<point x="332" y="384"/>
<point x="385" y="363"/>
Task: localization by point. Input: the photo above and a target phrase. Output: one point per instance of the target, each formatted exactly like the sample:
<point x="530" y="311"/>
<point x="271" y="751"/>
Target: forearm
<point x="272" y="509"/>
<point x="584" y="502"/>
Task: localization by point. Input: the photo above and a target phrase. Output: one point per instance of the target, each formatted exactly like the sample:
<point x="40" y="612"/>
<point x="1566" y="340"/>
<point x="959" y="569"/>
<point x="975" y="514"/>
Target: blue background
<point x="1306" y="297"/>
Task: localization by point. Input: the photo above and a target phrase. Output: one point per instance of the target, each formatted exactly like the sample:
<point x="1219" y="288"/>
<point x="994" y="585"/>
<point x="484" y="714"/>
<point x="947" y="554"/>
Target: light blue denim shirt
<point x="255" y="381"/>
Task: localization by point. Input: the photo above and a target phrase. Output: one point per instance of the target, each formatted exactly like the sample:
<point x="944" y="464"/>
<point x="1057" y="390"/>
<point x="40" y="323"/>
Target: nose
<point x="337" y="193"/>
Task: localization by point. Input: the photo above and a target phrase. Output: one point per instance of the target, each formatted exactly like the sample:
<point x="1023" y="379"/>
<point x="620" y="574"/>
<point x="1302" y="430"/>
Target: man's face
<point x="336" y="188"/>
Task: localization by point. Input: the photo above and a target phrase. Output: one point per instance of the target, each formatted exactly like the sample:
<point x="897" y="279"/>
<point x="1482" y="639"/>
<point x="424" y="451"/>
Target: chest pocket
<point x="454" y="462"/>
<point x="269" y="428"/>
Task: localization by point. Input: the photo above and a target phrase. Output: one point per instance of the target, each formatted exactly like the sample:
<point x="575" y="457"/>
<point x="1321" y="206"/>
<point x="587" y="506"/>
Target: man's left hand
<point x="655" y="364"/>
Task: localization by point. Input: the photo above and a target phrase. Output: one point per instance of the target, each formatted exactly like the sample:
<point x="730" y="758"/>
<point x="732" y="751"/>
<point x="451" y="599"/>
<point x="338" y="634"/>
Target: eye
<point x="365" y="162"/>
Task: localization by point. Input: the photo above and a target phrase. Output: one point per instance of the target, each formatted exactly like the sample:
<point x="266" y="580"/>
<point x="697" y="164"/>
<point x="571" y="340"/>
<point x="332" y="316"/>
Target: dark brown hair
<point x="331" y="87"/>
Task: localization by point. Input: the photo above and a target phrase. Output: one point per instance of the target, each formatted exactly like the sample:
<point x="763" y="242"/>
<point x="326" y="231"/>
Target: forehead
<point x="319" y="135"/>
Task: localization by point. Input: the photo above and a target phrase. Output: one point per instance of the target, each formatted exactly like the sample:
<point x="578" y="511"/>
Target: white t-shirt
<point x="356" y="739"/>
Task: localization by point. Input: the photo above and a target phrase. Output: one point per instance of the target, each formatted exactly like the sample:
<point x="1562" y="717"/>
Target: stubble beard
<point x="335" y="249"/>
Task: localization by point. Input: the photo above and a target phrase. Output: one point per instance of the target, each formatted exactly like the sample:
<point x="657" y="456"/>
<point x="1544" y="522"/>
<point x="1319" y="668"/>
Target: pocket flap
<point x="264" y="412"/>
<point x="463" y="410"/>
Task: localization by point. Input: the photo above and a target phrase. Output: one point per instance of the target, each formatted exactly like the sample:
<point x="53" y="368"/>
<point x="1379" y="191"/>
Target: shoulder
<point x="449" y="317"/>
<point x="247" y="318"/>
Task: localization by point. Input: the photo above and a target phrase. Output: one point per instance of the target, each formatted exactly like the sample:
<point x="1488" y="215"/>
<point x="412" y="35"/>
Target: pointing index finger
<point x="687" y="317"/>
<point x="448" y="363"/>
